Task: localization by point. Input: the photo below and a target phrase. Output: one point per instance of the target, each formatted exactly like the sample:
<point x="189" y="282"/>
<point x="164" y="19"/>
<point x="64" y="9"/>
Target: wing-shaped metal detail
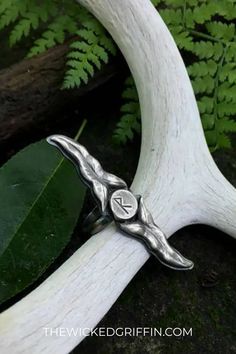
<point x="120" y="204"/>
<point x="89" y="168"/>
<point x="145" y="229"/>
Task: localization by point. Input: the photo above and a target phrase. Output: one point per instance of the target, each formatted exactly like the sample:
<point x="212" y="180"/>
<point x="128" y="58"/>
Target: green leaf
<point x="41" y="198"/>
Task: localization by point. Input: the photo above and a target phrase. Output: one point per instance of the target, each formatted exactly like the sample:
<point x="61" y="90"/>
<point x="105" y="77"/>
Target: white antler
<point x="176" y="176"/>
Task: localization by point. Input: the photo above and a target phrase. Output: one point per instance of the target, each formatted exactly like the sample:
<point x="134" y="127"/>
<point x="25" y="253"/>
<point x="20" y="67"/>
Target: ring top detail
<point x="116" y="202"/>
<point x="124" y="205"/>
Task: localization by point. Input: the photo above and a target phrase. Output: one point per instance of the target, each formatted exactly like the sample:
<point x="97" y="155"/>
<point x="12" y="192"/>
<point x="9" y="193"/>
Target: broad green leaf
<point x="41" y="198"/>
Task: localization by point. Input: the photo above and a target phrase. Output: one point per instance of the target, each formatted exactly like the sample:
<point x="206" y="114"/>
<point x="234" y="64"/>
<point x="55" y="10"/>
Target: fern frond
<point x="207" y="50"/>
<point x="108" y="44"/>
<point x="183" y="40"/>
<point x="228" y="72"/>
<point x="221" y="30"/>
<point x="130" y="93"/>
<point x="208" y="122"/>
<point x="11" y="13"/>
<point x="4" y="5"/>
<point x="201" y="28"/>
<point x="42" y="12"/>
<point x="204" y="84"/>
<point x="223" y="142"/>
<point x="88" y="53"/>
<point x="226" y="125"/>
<point x="174" y="3"/>
<point x="101" y="53"/>
<point x="22" y="29"/>
<point x="155" y="2"/>
<point x="226" y="109"/>
<point x="130" y="120"/>
<point x="204" y="31"/>
<point x="226" y="9"/>
<point x="206" y="104"/>
<point x="227" y="92"/>
<point x="55" y="34"/>
<point x="203" y="68"/>
<point x="172" y="16"/>
<point x="204" y="12"/>
<point x="217" y="140"/>
<point x="231" y="52"/>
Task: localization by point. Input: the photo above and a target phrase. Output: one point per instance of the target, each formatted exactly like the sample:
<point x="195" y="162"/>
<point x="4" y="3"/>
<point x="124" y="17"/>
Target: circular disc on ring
<point x="123" y="204"/>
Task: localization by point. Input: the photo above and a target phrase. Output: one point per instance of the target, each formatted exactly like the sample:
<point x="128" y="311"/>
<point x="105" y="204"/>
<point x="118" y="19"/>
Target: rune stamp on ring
<point x="123" y="204"/>
<point x="116" y="202"/>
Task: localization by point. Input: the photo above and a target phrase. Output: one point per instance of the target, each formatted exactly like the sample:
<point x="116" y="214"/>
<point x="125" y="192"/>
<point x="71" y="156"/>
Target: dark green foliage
<point x="130" y="120"/>
<point x="88" y="53"/>
<point x="37" y="215"/>
<point x="56" y="21"/>
<point x="204" y="31"/>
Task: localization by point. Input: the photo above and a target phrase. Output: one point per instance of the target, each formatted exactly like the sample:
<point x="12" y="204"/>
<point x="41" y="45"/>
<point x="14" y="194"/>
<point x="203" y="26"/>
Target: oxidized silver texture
<point x="117" y="201"/>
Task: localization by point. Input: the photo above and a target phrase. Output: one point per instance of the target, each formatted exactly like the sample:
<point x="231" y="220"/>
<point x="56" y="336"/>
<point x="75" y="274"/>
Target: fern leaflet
<point x="209" y="50"/>
<point x="130" y="120"/>
<point x="204" y="31"/>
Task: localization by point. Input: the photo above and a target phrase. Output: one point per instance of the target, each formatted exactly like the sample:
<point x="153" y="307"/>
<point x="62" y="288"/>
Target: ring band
<point x="95" y="222"/>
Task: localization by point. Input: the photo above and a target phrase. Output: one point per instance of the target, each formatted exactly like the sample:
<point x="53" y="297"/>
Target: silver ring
<point x="95" y="222"/>
<point x="117" y="203"/>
